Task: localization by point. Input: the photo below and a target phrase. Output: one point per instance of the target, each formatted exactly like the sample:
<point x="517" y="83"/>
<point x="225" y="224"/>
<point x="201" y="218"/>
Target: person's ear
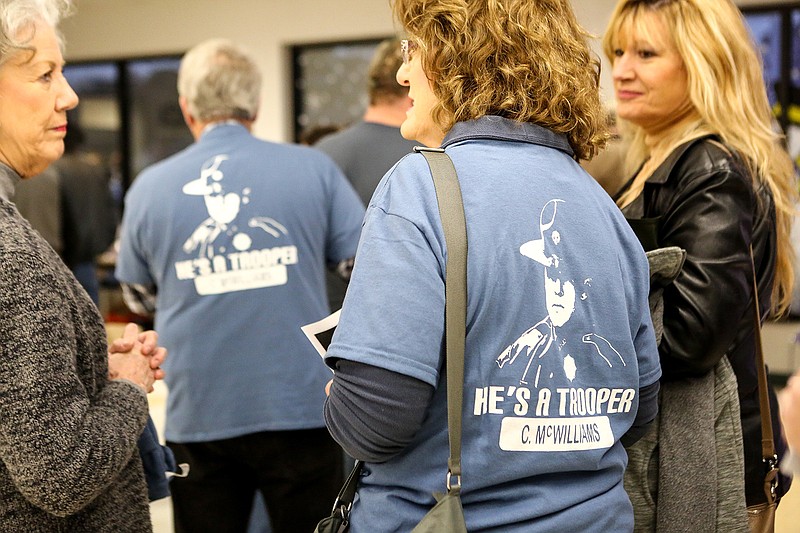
<point x="194" y="125"/>
<point x="184" y="105"/>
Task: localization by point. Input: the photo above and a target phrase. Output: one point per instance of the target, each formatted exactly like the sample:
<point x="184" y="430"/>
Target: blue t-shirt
<point x="559" y="337"/>
<point x="235" y="233"/>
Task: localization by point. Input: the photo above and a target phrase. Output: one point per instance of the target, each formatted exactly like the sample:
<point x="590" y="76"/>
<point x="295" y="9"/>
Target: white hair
<point x="220" y="80"/>
<point x="19" y="15"/>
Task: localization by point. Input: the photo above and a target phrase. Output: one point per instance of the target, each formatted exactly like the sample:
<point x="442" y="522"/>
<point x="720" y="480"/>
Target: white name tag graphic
<point x="555" y="434"/>
<point x="241" y="280"/>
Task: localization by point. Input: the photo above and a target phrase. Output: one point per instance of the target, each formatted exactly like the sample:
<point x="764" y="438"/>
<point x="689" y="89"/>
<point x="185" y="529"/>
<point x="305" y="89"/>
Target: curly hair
<point x="525" y="60"/>
<point x="726" y="88"/>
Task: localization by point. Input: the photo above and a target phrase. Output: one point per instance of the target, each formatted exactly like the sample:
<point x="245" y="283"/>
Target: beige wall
<point x="124" y="28"/>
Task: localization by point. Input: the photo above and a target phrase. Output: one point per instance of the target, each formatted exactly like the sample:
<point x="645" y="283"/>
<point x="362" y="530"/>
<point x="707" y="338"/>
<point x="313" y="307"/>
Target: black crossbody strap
<point x="344" y="501"/>
<point x="451" y="211"/>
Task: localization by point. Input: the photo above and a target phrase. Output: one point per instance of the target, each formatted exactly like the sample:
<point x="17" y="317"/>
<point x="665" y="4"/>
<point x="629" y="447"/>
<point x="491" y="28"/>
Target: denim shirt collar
<point x="504" y="129"/>
<point x="8" y="182"/>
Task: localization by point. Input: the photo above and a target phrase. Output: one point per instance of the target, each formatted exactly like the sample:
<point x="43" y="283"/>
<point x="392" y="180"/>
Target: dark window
<point x="129" y="111"/>
<point x="330" y="84"/>
<point x="776" y="32"/>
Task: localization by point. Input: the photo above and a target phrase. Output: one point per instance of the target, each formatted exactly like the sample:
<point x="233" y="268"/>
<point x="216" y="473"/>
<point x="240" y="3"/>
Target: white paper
<point x="319" y="333"/>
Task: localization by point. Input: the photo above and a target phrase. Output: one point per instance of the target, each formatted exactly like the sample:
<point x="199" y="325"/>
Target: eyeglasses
<point x="407" y="47"/>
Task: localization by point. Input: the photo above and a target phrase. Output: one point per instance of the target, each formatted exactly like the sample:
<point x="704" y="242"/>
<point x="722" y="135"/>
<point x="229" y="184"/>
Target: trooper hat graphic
<point x="544" y="250"/>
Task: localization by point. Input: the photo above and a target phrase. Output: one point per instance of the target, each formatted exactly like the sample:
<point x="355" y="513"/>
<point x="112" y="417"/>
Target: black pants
<point x="299" y="474"/>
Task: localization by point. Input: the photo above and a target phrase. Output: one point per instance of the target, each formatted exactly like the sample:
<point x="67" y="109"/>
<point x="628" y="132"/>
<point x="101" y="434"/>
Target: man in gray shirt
<point x="369" y="148"/>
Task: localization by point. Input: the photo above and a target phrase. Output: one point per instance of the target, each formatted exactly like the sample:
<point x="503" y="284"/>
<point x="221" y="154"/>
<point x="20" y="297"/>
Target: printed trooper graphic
<point x="226" y="260"/>
<point x="547" y="352"/>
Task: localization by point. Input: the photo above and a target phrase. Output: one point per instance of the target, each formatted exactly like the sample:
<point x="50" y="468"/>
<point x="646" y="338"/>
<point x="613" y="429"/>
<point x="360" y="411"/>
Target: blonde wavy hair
<point x="726" y="88"/>
<point x="525" y="60"/>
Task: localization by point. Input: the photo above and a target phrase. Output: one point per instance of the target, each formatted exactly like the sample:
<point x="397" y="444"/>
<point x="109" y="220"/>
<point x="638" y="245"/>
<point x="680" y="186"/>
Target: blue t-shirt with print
<point x="235" y="234"/>
<point x="559" y="337"/>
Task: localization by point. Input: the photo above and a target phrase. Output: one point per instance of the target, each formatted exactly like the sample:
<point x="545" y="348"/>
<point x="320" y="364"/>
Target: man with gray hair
<point x="227" y="242"/>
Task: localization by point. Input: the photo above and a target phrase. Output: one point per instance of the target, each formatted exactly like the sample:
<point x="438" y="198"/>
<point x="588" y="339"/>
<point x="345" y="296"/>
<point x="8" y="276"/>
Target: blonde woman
<point x="558" y="321"/>
<point x="710" y="171"/>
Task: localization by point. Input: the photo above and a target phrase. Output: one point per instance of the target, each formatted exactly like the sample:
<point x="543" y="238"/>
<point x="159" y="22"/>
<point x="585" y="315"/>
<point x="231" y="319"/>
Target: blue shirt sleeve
<point x="132" y="266"/>
<point x="397" y="284"/>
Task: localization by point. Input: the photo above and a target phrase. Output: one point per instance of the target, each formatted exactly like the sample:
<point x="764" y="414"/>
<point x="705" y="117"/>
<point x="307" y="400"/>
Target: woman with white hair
<point x="71" y="408"/>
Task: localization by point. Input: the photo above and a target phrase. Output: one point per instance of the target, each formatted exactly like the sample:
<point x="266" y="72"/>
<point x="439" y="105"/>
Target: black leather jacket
<point x="702" y="199"/>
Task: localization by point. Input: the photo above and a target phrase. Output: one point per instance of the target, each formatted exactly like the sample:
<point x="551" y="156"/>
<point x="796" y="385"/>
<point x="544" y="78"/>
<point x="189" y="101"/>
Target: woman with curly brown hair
<point x="560" y="357"/>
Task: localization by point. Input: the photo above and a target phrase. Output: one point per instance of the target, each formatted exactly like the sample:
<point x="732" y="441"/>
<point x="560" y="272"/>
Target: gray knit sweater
<point x="68" y="456"/>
